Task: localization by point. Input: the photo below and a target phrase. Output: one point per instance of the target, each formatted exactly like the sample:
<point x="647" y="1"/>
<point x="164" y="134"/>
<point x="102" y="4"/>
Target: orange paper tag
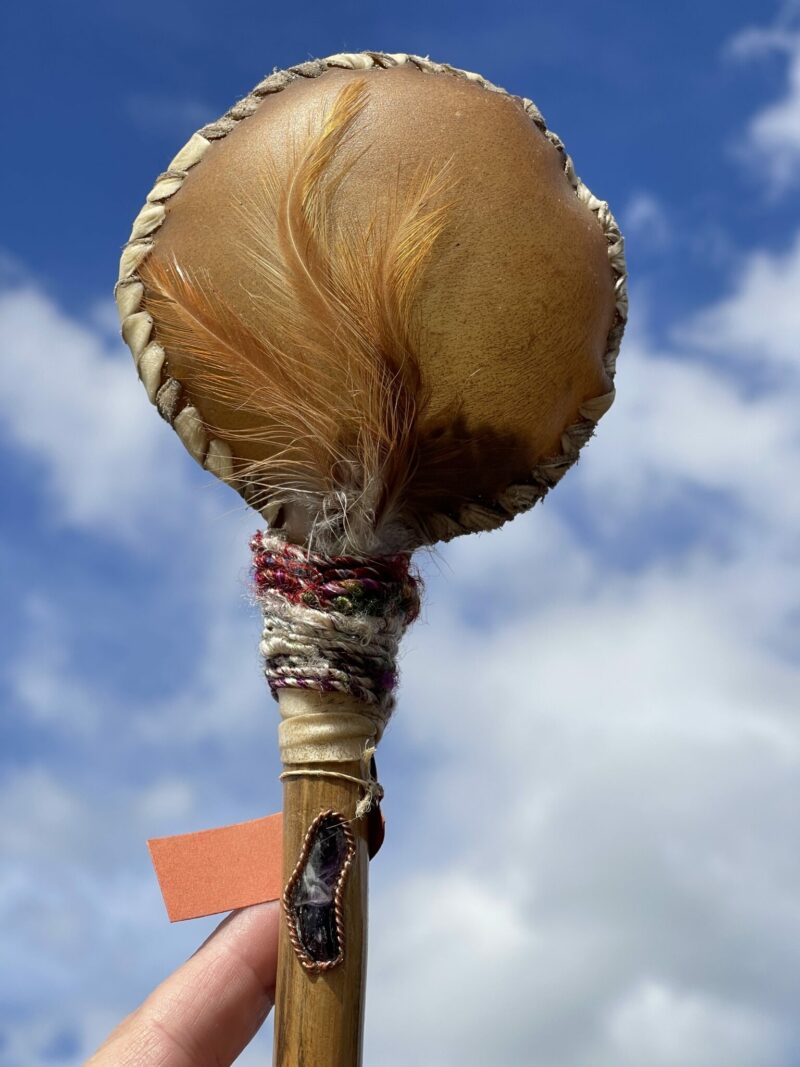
<point x="211" y="871"/>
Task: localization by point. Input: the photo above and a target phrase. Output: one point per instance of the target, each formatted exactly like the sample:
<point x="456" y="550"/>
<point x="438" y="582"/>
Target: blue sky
<point x="594" y="768"/>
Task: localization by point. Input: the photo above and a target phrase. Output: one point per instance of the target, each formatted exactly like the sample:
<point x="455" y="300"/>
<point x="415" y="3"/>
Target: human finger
<point x="205" y="1013"/>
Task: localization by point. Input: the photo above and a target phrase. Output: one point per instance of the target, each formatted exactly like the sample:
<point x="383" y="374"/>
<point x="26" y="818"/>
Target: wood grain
<point x="319" y="1018"/>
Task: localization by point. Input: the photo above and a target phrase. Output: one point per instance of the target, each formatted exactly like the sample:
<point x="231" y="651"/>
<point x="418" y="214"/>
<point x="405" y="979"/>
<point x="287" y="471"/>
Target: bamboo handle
<point x="319" y="1017"/>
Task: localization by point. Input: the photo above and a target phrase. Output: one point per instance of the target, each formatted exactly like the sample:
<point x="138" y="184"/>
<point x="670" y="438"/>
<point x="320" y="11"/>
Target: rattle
<point x="376" y="300"/>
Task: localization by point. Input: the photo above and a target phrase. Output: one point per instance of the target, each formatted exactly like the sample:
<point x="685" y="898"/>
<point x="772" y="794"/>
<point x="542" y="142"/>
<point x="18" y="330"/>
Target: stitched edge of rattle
<point x="168" y="395"/>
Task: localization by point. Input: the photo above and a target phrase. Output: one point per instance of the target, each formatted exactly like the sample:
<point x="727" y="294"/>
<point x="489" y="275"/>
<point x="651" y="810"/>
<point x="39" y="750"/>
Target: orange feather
<point x="333" y="392"/>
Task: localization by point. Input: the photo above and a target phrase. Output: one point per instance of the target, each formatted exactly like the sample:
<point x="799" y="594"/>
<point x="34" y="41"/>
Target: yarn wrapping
<point x="332" y="624"/>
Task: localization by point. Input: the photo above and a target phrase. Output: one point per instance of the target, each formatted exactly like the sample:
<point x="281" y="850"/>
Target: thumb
<point x="205" y="1013"/>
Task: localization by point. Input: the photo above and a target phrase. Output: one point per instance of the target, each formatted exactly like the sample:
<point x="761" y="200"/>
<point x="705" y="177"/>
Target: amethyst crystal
<point x="312" y="892"/>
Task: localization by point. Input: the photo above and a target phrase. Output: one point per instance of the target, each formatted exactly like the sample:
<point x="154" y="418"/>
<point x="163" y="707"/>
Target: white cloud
<point x="771" y="147"/>
<point x="44" y="685"/>
<point x="605" y="812"/>
<point x="71" y="402"/>
<point x="675" y="1028"/>
<point x="646" y="220"/>
<point x="759" y="322"/>
<point x="166" y="799"/>
<point x="679" y="426"/>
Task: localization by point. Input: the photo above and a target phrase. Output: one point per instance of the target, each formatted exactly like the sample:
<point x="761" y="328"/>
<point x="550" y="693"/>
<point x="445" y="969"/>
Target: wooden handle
<point x="319" y="1017"/>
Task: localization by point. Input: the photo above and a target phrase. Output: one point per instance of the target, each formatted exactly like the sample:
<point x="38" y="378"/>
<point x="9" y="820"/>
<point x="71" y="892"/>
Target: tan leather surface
<point x="517" y="300"/>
